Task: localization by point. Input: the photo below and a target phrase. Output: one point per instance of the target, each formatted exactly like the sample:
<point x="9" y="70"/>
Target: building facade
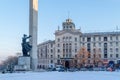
<point x="46" y="54"/>
<point x="70" y="40"/>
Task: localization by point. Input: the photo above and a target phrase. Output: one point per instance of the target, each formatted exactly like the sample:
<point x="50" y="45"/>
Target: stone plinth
<point x="23" y="63"/>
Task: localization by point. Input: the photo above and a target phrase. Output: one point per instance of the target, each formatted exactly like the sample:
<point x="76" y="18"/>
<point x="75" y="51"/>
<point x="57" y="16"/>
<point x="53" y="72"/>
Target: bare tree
<point x="9" y="63"/>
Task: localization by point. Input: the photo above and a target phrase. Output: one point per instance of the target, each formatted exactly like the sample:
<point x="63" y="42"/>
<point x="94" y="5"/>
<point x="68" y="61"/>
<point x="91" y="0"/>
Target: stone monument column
<point x="33" y="25"/>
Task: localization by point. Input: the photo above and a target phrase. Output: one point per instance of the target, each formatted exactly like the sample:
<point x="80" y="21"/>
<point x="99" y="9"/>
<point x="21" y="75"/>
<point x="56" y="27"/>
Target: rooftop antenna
<point x="58" y="27"/>
<point x="80" y="28"/>
<point x="117" y="28"/>
<point x="68" y="14"/>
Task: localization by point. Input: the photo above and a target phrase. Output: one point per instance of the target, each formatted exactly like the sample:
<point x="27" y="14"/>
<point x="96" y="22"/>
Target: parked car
<point x="61" y="70"/>
<point x="51" y="69"/>
<point x="110" y="69"/>
<point x="58" y="67"/>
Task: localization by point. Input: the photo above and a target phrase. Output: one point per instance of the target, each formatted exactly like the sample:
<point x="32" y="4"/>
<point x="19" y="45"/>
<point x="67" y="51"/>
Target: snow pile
<point x="61" y="76"/>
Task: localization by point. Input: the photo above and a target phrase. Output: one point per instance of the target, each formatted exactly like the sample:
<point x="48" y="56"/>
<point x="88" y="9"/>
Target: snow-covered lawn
<point x="61" y="76"/>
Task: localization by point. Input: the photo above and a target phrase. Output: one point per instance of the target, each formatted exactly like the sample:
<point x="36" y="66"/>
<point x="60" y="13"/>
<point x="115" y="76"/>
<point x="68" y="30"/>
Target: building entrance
<point x="67" y="64"/>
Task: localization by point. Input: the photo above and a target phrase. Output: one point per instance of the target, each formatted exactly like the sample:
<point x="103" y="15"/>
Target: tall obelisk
<point x="33" y="25"/>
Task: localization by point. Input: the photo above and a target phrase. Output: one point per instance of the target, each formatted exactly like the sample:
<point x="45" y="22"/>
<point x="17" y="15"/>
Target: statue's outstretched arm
<point x="28" y="37"/>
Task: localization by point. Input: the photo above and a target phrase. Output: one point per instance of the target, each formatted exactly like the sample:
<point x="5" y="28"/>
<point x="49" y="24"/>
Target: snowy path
<point x="62" y="76"/>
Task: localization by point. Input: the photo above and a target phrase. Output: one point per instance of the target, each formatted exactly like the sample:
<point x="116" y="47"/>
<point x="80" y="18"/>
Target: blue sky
<point x="90" y="15"/>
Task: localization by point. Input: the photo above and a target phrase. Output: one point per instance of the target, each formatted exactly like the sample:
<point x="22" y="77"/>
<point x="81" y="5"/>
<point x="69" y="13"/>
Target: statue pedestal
<point x="23" y="63"/>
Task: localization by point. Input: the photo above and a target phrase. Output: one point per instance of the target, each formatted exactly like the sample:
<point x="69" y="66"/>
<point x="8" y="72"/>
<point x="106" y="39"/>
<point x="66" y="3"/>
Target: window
<point x="64" y="27"/>
<point x="51" y="45"/>
<point x="100" y="44"/>
<point x="48" y="46"/>
<point x="94" y="39"/>
<point x="75" y="56"/>
<point x="117" y="44"/>
<point x="51" y="66"/>
<point x="83" y="44"/>
<point x="58" y="56"/>
<point x="105" y="51"/>
<point x="70" y="45"/>
<point x="116" y="37"/>
<point x="111" y="44"/>
<point x="105" y="45"/>
<point x="89" y="56"/>
<point x="105" y="55"/>
<point x="51" y="51"/>
<point x="117" y="55"/>
<point x="66" y="50"/>
<point x="111" y="50"/>
<point x="88" y="45"/>
<point x="88" y="61"/>
<point x="66" y="55"/>
<point x="100" y="50"/>
<point x="51" y="61"/>
<point x="94" y="44"/>
<point x="58" y="51"/>
<point x="111" y="38"/>
<point x="94" y="51"/>
<point x="75" y="50"/>
<point x="58" y="62"/>
<point x="41" y="54"/>
<point x="117" y="50"/>
<point x="70" y="50"/>
<point x="58" y="39"/>
<point x="75" y="44"/>
<point x="58" y="45"/>
<point x="88" y="39"/>
<point x="105" y="38"/>
<point x="99" y="38"/>
<point x="51" y="56"/>
<point x="63" y="38"/>
<point x="70" y="55"/>
<point x="66" y="38"/>
<point x="70" y="38"/>
<point x="111" y="55"/>
<point x="89" y="50"/>
<point x="67" y="46"/>
<point x="75" y="39"/>
<point x="83" y="39"/>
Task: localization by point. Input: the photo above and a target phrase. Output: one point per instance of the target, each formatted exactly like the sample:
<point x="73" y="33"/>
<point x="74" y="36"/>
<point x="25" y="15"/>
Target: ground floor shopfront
<point x="77" y="63"/>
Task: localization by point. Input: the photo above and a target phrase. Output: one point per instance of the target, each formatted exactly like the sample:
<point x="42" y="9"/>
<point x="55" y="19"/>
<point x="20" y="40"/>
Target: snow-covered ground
<point x="62" y="76"/>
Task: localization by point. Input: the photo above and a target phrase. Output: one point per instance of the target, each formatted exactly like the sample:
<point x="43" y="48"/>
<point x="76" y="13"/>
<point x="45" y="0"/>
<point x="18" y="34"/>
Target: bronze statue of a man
<point x="26" y="47"/>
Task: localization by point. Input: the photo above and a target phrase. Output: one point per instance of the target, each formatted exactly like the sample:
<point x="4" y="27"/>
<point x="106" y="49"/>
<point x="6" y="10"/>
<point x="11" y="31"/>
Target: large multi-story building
<point x="70" y="40"/>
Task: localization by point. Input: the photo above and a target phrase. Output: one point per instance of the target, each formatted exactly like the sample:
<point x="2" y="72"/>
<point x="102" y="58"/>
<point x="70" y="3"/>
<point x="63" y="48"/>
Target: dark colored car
<point x="61" y="70"/>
